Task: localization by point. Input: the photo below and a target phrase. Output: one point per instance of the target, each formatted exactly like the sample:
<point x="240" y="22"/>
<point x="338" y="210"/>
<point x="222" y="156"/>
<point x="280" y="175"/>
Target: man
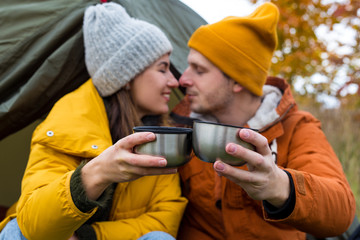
<point x="293" y="183"/>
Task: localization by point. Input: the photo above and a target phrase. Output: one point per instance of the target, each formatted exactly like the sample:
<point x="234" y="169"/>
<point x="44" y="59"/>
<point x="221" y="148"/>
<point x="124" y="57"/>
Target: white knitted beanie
<point x="118" y="47"/>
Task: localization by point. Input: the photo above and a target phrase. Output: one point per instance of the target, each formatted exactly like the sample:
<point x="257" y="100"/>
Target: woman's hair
<point x="122" y="115"/>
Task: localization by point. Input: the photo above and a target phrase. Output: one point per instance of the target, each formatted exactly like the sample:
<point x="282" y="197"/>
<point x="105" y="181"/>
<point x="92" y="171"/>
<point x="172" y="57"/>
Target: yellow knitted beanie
<point x="242" y="47"/>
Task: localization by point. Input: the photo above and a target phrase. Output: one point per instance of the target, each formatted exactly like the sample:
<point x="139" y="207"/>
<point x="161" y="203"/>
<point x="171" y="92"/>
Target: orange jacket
<point x="324" y="203"/>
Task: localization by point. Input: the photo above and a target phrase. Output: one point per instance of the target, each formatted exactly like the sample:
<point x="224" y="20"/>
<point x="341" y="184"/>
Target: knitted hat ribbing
<point x="242" y="47"/>
<point x="118" y="47"/>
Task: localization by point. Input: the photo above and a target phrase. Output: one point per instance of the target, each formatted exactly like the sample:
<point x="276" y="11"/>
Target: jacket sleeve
<point x="324" y="202"/>
<point x="164" y="213"/>
<point x="45" y="209"/>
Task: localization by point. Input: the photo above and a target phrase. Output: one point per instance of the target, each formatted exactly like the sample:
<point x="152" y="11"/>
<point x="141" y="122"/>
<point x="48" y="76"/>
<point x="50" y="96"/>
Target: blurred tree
<point x="303" y="53"/>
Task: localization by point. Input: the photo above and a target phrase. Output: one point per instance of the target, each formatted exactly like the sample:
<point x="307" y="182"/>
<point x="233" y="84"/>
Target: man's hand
<point x="264" y="180"/>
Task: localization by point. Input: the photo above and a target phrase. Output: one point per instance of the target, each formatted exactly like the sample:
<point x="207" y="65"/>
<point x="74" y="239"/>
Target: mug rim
<point x="162" y="129"/>
<point x="225" y="125"/>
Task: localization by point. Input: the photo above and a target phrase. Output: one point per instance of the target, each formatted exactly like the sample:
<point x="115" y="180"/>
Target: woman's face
<point x="151" y="89"/>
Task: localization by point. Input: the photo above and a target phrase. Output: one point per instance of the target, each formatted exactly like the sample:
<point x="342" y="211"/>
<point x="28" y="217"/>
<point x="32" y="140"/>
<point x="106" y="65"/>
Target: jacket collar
<point x="272" y="127"/>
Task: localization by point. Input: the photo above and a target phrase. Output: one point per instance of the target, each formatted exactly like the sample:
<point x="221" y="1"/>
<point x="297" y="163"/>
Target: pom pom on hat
<point x="118" y="47"/>
<point x="242" y="47"/>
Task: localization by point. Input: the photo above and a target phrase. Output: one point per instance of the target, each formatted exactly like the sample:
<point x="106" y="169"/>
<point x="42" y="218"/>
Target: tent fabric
<point x="42" y="53"/>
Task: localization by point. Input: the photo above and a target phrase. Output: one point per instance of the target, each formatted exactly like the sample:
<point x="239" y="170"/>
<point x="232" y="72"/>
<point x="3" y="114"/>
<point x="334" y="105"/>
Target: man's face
<point x="209" y="91"/>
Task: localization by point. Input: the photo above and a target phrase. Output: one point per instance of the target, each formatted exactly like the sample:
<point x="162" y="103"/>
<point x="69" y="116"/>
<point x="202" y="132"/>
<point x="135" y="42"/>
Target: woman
<point x="82" y="180"/>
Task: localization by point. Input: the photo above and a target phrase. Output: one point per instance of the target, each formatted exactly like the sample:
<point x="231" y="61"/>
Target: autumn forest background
<point x="324" y="71"/>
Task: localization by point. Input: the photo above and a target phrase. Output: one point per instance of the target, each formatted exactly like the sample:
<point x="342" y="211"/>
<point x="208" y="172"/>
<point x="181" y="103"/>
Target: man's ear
<point x="237" y="87"/>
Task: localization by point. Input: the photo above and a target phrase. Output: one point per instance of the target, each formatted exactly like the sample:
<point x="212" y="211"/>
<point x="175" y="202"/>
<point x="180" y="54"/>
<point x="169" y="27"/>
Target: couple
<point x="83" y="181"/>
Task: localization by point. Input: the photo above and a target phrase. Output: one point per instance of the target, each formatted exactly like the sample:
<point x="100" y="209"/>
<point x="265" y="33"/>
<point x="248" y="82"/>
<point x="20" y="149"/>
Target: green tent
<point x="42" y="55"/>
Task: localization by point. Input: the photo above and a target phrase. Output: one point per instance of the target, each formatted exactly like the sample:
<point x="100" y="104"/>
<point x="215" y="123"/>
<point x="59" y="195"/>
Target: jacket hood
<point x="277" y="102"/>
<point x="77" y="124"/>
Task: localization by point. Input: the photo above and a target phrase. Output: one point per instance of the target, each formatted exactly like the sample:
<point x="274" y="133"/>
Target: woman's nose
<point x="185" y="80"/>
<point x="172" y="81"/>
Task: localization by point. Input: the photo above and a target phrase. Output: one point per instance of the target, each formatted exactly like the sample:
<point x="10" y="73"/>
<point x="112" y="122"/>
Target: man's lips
<point x="191" y="95"/>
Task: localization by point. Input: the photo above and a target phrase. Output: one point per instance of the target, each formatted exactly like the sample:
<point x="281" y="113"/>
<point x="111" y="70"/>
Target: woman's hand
<point x="264" y="180"/>
<point x="118" y="163"/>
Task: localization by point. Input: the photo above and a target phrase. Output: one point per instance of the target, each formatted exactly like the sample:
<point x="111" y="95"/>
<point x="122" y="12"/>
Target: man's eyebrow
<point x="196" y="65"/>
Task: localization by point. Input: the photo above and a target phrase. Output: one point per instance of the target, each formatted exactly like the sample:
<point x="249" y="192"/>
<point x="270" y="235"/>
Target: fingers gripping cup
<point x="210" y="140"/>
<point x="173" y="143"/>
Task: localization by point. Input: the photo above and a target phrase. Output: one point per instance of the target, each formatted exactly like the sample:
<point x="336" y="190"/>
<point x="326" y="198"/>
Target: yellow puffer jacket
<point x="77" y="129"/>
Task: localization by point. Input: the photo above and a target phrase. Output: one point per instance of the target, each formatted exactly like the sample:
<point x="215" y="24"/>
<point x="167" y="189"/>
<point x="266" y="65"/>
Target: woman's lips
<point x="166" y="96"/>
